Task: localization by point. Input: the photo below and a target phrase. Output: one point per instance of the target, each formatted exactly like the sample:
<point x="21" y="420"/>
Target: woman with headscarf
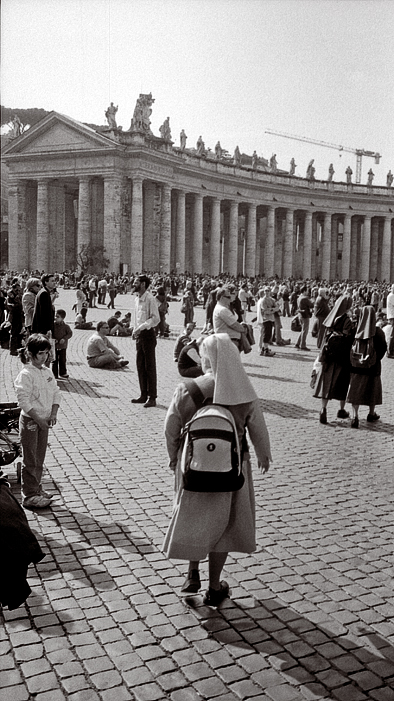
<point x="334" y="375"/>
<point x="365" y="386"/>
<point x="321" y="311"/>
<point x="214" y="523"/>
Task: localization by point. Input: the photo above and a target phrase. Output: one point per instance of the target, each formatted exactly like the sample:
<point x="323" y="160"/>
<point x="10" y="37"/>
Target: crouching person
<point x="101" y="353"/>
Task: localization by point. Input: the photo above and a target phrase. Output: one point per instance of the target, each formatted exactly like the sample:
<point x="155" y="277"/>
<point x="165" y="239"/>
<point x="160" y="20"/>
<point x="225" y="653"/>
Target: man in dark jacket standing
<point x="305" y="307"/>
<point x="44" y="313"/>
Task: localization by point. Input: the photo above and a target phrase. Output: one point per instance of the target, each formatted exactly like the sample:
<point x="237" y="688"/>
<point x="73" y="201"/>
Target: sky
<point x="227" y="70"/>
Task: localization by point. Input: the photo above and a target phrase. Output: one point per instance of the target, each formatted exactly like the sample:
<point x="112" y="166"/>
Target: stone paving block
<point x="42" y="682"/>
<point x="246" y="689"/>
<point x="366" y="680"/>
<point x="186" y="695"/>
<point x="232" y="673"/>
<point x="10" y="677"/>
<point x="148" y="692"/>
<point x="348" y="693"/>
<point x="15" y="693"/>
<point x="283" y="693"/>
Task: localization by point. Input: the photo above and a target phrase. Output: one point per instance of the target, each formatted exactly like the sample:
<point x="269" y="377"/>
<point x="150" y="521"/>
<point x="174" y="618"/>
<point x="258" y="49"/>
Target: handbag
<point x="295" y="324"/>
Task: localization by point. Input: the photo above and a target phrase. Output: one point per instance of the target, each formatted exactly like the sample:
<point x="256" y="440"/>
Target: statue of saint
<point x="165" y="130"/>
<point x="182" y="139"/>
<point x="390" y="178"/>
<point x="111" y="116"/>
<point x="349" y="174"/>
<point x="273" y="163"/>
<point x="310" y="171"/>
<point x="142" y="112"/>
<point x="218" y="151"/>
<point x="293" y="166"/>
<point x="331" y="172"/>
<point x="16" y="126"/>
<point x="237" y="156"/>
<point x="200" y="147"/>
<point x="371" y="176"/>
<point x="254" y="160"/>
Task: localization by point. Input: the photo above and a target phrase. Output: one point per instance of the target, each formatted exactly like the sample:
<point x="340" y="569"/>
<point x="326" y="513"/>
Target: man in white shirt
<point x="390" y="319"/>
<point x="146" y="318"/>
<point x="224" y="320"/>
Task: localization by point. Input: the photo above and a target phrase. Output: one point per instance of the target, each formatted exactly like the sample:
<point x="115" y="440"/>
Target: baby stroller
<point x="10" y="446"/>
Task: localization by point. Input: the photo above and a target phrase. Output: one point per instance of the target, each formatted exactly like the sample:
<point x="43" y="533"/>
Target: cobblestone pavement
<point x="311" y="614"/>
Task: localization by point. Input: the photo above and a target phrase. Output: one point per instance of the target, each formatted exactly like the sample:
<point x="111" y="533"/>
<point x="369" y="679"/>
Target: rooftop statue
<point x="390" y="178"/>
<point x="371" y="176"/>
<point x="16" y="127"/>
<point x="349" y="174"/>
<point x="111" y="116"/>
<point x="200" y="147"/>
<point x="293" y="166"/>
<point x="218" y="151"/>
<point x="310" y="171"/>
<point x="142" y="112"/>
<point x="237" y="156"/>
<point x="331" y="172"/>
<point x="182" y="139"/>
<point x="273" y="163"/>
<point x="254" y="160"/>
<point x="165" y="130"/>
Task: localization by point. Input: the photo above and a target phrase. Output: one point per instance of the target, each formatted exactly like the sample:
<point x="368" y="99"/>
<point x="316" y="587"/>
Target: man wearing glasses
<point x="101" y="353"/>
<point x="224" y="320"/>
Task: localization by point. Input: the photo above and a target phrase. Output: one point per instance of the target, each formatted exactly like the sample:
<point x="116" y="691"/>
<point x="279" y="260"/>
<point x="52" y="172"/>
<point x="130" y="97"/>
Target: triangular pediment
<point x="58" y="134"/>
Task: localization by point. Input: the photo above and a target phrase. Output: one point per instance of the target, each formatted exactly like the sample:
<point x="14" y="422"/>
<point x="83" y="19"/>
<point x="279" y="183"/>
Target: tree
<point x="91" y="258"/>
<point x="28" y="117"/>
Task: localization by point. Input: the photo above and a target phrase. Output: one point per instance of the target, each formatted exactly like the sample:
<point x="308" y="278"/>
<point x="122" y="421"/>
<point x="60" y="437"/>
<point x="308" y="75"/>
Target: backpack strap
<point x="195" y="392"/>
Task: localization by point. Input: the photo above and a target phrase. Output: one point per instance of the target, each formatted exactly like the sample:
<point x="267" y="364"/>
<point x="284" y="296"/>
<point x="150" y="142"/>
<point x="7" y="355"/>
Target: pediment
<point x="57" y="134"/>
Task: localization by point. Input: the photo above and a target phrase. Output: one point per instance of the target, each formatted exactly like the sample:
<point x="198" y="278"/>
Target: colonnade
<point x="145" y="224"/>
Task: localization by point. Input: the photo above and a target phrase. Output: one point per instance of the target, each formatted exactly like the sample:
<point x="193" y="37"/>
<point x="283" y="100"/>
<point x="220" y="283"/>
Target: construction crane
<point x="360" y="152"/>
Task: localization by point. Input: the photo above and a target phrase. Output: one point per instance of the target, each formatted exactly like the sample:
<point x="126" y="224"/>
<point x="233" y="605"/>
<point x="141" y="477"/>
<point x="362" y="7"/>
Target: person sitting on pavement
<point x="101" y="353"/>
<point x="80" y="320"/>
<point x="183" y="339"/>
<point x="116" y="328"/>
<point x="189" y="361"/>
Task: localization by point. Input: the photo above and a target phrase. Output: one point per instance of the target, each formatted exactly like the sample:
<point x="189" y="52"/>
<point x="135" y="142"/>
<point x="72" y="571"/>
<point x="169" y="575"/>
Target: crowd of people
<point x="353" y="325"/>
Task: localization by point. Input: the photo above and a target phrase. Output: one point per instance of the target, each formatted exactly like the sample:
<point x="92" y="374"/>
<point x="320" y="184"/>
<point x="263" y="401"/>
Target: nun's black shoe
<point x="192" y="583"/>
<point x="354" y="423"/>
<point x="323" y="416"/>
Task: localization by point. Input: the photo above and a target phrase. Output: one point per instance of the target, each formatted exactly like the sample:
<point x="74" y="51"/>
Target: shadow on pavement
<point x="289" y="411"/>
<point x="320" y="657"/>
<point x="271" y="377"/>
<point x="84" y="387"/>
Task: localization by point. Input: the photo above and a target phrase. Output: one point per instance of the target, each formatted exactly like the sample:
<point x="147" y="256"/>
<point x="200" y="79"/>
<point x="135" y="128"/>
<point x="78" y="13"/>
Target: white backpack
<point x="211" y="456"/>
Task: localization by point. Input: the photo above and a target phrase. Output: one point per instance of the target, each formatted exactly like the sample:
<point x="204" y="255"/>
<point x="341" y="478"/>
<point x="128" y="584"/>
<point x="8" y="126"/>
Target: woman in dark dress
<point x="334" y="376"/>
<point x="365" y="386"/>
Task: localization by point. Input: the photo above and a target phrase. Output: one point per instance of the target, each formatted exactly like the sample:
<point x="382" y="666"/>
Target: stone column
<point x="84" y="215"/>
<point x="346" y="246"/>
<point x="307" y="263"/>
<point x="165" y="230"/>
<point x="326" y="247"/>
<point x="214" y="250"/>
<point x="180" y="231"/>
<point x="288" y="244"/>
<point x="233" y="239"/>
<point x="269" y="253"/>
<point x="250" y="263"/>
<point x="42" y="225"/>
<point x="373" y="263"/>
<point x="136" y="262"/>
<point x="365" y="248"/>
<point x="197" y="233"/>
<point x="112" y="220"/>
<point x="18" y="243"/>
<point x="387" y="251"/>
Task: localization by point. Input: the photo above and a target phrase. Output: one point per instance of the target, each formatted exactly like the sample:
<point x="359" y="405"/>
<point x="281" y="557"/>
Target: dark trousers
<point x="59" y="366"/>
<point x="146" y="363"/>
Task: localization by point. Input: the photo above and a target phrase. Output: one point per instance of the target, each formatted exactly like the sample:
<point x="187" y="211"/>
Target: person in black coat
<point x="365" y="385"/>
<point x="44" y="313"/>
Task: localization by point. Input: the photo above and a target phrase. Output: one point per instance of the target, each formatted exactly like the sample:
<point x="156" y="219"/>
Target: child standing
<point x="61" y="334"/>
<point x="39" y="398"/>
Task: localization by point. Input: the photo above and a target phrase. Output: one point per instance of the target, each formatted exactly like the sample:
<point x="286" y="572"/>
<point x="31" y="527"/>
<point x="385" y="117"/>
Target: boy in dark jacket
<point x="61" y="334"/>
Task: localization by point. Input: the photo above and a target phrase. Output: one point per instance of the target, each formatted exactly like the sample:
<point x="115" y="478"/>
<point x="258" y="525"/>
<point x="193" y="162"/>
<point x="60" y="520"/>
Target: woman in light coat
<point x="211" y="524"/>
